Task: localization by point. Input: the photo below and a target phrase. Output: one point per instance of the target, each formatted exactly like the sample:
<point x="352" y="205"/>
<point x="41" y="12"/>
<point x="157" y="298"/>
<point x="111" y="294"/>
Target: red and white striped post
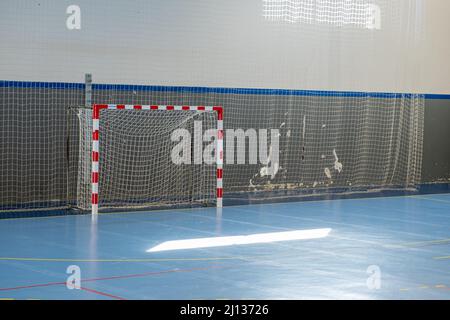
<point x="95" y="155"/>
<point x="96" y="147"/>
<point x="219" y="156"/>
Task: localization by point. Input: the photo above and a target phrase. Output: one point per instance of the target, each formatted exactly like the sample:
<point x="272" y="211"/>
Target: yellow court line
<point x="421" y="243"/>
<point x="243" y="258"/>
<point x="437" y="286"/>
<point x="441" y="258"/>
<point x="116" y="260"/>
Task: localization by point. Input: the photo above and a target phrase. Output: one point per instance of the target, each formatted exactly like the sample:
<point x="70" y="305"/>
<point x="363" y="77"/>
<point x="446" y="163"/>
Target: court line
<point x="102" y="293"/>
<point x="33" y="286"/>
<point x="243" y="205"/>
<point x="419" y="244"/>
<point x="441" y="258"/>
<point x="43" y="217"/>
<point x="87" y="214"/>
<point x="137" y="275"/>
<point x="423" y="287"/>
<point x="117" y="260"/>
<point x="420" y="197"/>
<point x="431" y="199"/>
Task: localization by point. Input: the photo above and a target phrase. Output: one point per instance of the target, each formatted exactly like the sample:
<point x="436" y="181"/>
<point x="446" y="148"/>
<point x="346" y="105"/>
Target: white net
<point x="137" y="169"/>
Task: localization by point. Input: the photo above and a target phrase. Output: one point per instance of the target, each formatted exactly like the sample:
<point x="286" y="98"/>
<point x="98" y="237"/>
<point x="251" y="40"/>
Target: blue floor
<point x="406" y="238"/>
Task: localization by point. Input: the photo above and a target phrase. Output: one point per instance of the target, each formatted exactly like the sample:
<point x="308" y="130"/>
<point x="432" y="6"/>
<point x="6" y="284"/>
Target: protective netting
<point x="33" y="153"/>
<point x="211" y="53"/>
<point x="328" y="141"/>
<point x="137" y="166"/>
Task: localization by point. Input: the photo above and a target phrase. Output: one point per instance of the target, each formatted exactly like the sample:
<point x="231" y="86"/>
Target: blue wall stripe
<point x="437" y="96"/>
<point x="46" y="85"/>
<point x="247" y="91"/>
<point x="218" y="90"/>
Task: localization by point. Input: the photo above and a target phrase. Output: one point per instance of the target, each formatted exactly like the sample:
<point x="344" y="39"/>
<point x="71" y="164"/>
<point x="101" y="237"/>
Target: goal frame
<point x="96" y="110"/>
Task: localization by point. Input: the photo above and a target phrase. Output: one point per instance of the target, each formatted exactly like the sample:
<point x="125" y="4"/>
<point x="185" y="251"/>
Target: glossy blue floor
<point x="379" y="248"/>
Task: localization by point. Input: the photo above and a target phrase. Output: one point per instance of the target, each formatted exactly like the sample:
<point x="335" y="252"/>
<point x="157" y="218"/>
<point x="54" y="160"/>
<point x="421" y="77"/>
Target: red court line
<point x="33" y="286"/>
<point x="137" y="275"/>
<point x="102" y="293"/>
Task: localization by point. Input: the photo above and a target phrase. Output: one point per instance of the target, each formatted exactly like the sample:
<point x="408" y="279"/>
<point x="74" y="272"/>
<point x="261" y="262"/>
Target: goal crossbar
<point x="96" y="111"/>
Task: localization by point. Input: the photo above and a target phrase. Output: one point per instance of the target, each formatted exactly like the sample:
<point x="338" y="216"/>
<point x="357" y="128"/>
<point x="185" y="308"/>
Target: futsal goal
<point x="126" y="156"/>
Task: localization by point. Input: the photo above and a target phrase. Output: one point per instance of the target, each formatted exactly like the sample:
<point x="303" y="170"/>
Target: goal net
<point x="148" y="156"/>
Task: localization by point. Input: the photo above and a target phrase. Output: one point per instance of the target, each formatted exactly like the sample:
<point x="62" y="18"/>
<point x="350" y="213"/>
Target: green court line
<point x="116" y="260"/>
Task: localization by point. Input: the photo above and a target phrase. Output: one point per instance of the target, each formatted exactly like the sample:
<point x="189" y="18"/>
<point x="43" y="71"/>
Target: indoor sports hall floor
<point x="407" y="238"/>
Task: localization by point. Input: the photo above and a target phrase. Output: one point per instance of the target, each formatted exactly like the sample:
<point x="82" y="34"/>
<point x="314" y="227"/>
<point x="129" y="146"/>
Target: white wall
<point x="225" y="43"/>
<point x="435" y="50"/>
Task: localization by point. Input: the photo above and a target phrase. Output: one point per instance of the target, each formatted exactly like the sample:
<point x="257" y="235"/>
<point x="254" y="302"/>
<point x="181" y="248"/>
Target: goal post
<point x="126" y="155"/>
